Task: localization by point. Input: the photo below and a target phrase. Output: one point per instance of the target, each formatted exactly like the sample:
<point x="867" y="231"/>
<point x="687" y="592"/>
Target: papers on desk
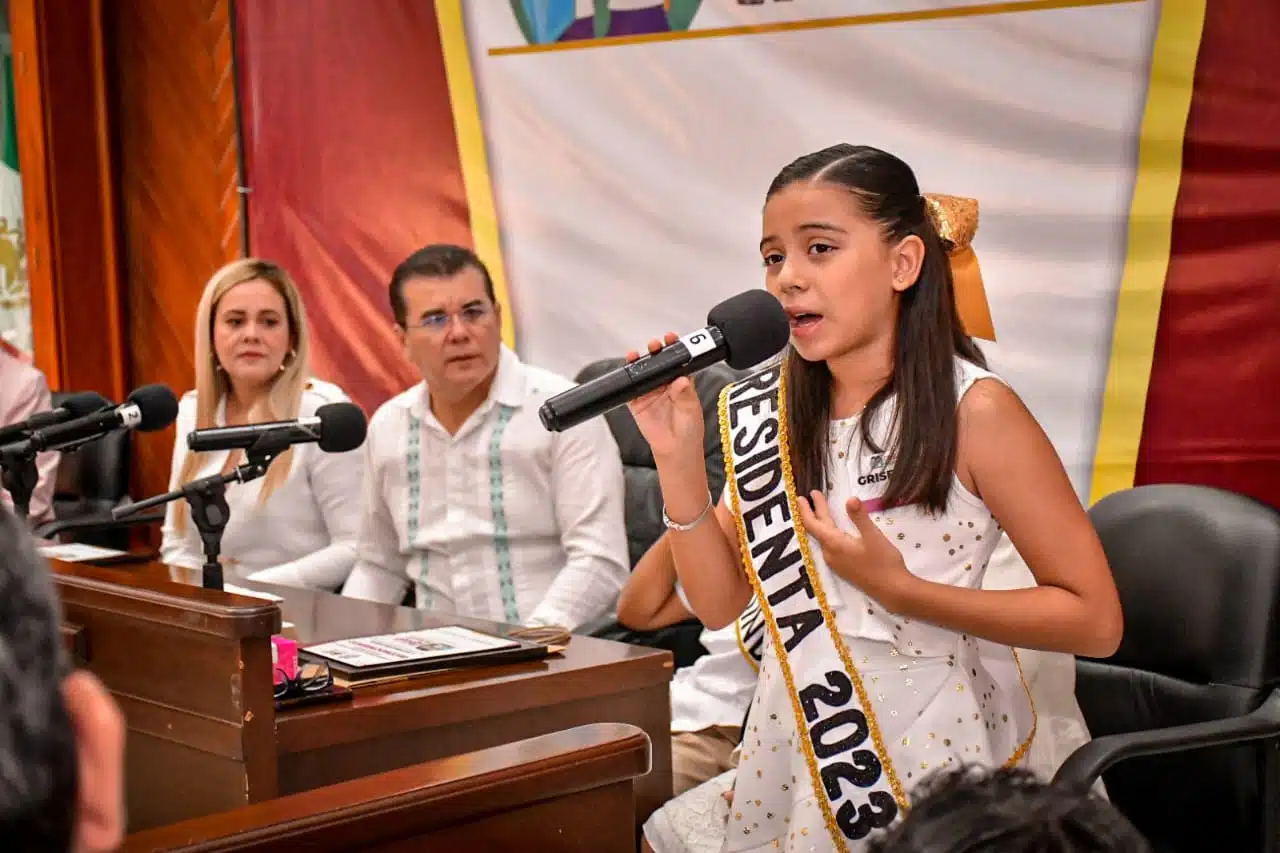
<point x="367" y="659"/>
<point x="252" y="593"/>
<point x="75" y="552"/>
<point x="410" y="646"/>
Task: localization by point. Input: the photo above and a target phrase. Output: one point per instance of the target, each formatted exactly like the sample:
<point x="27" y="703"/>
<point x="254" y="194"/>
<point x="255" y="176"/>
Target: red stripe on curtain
<point x="1212" y="414"/>
<point x="352" y="161"/>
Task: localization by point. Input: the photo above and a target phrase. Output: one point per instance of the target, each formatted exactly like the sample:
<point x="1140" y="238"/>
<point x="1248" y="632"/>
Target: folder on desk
<point x="363" y="659"/>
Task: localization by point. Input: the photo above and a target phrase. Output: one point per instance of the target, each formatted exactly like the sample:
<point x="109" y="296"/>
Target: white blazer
<point x="303" y="536"/>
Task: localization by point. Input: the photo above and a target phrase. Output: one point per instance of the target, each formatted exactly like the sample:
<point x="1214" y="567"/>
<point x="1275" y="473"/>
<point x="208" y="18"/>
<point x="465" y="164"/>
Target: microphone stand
<point x="19" y="476"/>
<point x="207" y="500"/>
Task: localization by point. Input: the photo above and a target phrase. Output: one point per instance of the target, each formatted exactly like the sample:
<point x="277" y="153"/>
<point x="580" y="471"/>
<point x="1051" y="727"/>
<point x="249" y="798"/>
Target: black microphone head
<point x="547" y="414"/>
<point x="754" y="325"/>
<point x="342" y="427"/>
<point x="84" y="403"/>
<point x="157" y="405"/>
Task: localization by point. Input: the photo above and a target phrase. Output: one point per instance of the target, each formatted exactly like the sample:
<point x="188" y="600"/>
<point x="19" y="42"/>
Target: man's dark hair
<point x="38" y="785"/>
<point x="975" y="810"/>
<point x="440" y="260"/>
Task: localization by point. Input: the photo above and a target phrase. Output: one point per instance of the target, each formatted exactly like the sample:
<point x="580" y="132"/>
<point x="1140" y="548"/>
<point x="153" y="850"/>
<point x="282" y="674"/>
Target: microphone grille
<point x="157" y="404"/>
<point x="754" y="325"/>
<point x="84" y="403"/>
<point x="342" y="427"/>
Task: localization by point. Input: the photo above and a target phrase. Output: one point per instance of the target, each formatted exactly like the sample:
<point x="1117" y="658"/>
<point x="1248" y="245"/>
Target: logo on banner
<point x="551" y="21"/>
<point x="564" y="22"/>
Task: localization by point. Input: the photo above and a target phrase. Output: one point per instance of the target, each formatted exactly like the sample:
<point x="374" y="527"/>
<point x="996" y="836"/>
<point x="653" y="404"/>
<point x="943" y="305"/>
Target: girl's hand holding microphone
<point x="671" y="419"/>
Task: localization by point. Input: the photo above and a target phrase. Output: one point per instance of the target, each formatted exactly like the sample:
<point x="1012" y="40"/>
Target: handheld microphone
<point x="74" y="406"/>
<point x="149" y="408"/>
<point x="338" y="427"/>
<point x="744" y="330"/>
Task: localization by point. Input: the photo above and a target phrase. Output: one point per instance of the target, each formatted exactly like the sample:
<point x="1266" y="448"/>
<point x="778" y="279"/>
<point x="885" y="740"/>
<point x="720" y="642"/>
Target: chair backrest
<point x="1198" y="570"/>
<point x="644" y="497"/>
<point x="95" y="477"/>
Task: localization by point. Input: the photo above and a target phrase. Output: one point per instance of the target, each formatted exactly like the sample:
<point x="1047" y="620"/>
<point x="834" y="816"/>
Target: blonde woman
<point x="297" y="526"/>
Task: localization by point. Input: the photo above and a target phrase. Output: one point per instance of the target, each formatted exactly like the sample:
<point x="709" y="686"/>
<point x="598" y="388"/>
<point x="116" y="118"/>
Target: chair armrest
<point x="1083" y="767"/>
<point x="95" y="522"/>
<point x="413" y="801"/>
<point x="682" y="639"/>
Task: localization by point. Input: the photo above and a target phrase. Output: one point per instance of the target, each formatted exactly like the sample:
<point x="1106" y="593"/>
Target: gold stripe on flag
<point x="1155" y="192"/>
<point x="472" y="155"/>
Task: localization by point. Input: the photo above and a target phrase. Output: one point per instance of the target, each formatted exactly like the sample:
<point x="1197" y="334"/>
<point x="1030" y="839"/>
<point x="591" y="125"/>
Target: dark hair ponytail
<point x="929" y="336"/>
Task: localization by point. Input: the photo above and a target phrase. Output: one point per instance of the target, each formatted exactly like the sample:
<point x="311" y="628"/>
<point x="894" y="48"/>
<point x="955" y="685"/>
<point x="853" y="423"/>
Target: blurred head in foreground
<point x="61" y="734"/>
<point x="1009" y="810"/>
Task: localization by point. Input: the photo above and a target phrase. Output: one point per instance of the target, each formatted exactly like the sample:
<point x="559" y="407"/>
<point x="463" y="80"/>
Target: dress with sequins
<point x="938" y="698"/>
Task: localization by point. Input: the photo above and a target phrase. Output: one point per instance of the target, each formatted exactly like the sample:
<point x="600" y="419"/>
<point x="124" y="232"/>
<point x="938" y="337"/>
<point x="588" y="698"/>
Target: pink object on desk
<point x="284" y="658"/>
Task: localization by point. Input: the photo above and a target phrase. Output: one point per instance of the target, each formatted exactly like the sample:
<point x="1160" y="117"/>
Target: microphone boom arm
<point x="207" y="499"/>
<point x="19" y="474"/>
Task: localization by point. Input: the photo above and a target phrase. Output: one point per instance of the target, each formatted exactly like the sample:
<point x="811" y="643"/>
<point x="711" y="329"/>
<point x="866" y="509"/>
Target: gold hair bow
<point x="956" y="219"/>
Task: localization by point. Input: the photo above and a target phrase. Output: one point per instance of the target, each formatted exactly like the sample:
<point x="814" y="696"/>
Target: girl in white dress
<point x="695" y="821"/>
<point x="870" y="474"/>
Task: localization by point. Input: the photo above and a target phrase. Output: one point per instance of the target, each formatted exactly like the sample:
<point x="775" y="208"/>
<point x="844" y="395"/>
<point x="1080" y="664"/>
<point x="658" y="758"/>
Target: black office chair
<point x="92" y="481"/>
<point x="644" y="501"/>
<point x="1186" y="714"/>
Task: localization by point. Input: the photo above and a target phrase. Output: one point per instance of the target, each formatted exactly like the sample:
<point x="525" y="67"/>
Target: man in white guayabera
<point x="467" y="496"/>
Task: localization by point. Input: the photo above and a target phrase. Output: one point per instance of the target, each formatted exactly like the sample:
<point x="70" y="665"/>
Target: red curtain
<point x="351" y="159"/>
<point x="1212" y="413"/>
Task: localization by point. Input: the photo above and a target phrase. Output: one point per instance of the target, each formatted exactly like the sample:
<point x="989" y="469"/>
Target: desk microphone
<point x="149" y="408"/>
<point x="74" y="406"/>
<point x="744" y="330"/>
<point x="337" y="427"/>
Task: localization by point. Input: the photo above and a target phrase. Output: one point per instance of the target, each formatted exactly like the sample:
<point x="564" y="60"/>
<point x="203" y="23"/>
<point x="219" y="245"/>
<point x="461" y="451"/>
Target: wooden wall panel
<point x="178" y="153"/>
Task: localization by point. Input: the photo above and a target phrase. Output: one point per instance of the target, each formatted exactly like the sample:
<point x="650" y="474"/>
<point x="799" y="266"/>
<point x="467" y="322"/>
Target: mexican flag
<point x="15" y="300"/>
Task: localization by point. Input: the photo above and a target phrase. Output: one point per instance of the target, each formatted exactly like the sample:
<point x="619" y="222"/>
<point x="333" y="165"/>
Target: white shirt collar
<point x="509" y="383"/>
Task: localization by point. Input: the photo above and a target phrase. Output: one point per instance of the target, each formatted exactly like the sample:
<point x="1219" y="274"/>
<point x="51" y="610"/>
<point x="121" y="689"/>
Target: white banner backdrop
<point x="629" y="173"/>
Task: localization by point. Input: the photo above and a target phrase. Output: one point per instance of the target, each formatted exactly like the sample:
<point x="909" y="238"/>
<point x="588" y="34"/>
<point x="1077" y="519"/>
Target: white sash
<point x="750" y="633"/>
<point x="850" y="771"/>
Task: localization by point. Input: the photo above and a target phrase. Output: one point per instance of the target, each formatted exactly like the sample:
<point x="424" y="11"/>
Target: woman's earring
<point x="289" y="359"/>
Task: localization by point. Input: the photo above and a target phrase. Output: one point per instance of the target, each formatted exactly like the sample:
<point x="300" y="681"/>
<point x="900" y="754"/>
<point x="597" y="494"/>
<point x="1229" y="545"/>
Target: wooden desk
<point x="191" y="670"/>
<point x="569" y="791"/>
